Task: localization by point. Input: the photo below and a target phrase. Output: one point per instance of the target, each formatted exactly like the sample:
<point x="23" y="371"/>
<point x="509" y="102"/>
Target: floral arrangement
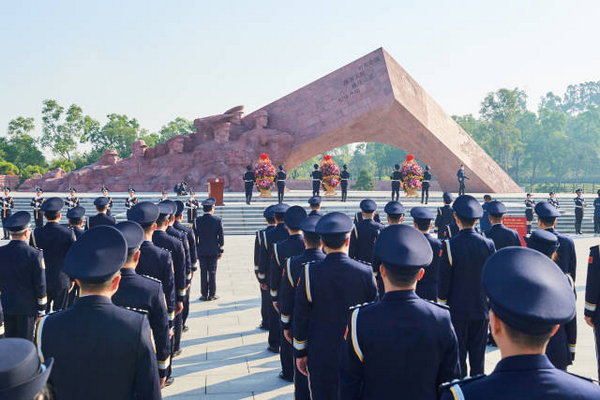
<point x="265" y="172"/>
<point x="411" y="173"/>
<point x="330" y="171"/>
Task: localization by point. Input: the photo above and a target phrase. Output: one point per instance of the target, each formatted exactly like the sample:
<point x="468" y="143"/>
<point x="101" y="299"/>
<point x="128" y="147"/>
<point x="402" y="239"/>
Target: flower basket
<point x="412" y="176"/>
<point x="265" y="175"/>
<point x="331" y="175"/>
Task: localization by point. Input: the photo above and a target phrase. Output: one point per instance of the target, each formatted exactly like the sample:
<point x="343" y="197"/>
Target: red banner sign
<point x="519" y="224"/>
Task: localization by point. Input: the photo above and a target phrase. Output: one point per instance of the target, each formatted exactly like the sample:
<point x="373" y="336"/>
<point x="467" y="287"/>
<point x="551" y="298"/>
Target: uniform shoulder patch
<point x="362" y="305"/>
<point x="460" y="382"/>
<point x="445" y="307"/>
<point x="137" y="310"/>
<point x="151" y="278"/>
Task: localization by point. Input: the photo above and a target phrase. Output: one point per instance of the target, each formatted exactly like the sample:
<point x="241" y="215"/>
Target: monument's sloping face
<point x="369" y="100"/>
<point x="373" y="99"/>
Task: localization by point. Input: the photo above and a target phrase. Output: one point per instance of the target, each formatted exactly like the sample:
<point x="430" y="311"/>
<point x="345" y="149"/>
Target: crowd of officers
<point x="360" y="310"/>
<point x="105" y="303"/>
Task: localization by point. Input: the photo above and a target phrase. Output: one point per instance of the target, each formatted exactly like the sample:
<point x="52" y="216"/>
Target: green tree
<point x="8" y="168"/>
<point x="118" y="133"/>
<point x="66" y="165"/>
<point x="179" y="126"/>
<point x="61" y="130"/>
<point x="20" y="126"/>
<point x="28" y="171"/>
<point x="364" y="181"/>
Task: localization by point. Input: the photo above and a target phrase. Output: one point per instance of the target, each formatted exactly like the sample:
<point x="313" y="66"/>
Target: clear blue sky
<point x="156" y="60"/>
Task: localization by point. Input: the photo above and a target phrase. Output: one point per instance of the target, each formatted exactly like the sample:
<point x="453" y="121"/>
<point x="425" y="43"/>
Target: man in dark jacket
<point x="209" y="234"/>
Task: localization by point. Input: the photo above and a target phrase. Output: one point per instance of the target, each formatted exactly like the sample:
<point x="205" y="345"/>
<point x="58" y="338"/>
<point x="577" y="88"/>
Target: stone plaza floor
<point x="224" y="354"/>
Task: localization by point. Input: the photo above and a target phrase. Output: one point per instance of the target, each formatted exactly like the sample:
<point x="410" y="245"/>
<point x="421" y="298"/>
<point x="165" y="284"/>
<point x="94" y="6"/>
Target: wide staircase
<point x="242" y="219"/>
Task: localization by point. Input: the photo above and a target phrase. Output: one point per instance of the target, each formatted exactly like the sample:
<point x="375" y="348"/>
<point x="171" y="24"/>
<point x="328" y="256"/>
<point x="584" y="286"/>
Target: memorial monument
<point x="372" y="99"/>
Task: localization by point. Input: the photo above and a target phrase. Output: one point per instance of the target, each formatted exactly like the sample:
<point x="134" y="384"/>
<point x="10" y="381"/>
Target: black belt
<point x="425" y="181"/>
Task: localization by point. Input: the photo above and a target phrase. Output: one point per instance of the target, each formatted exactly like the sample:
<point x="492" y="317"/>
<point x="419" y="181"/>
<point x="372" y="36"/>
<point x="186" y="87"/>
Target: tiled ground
<point x="225" y="356"/>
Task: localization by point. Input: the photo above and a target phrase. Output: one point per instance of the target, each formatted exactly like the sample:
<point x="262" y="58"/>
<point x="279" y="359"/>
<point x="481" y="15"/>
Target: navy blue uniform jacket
<point x="209" y="234"/>
<point x="102" y="219"/>
<point x="402" y="332"/>
<point x="174" y="246"/>
<point x="100" y="352"/>
<point x="502" y="236"/>
<point x="291" y="246"/>
<point x="362" y="240"/>
<point x="271" y="236"/>
<point x="156" y="262"/>
<point x="427" y="286"/>
<point x="55" y="240"/>
<point x="567" y="258"/>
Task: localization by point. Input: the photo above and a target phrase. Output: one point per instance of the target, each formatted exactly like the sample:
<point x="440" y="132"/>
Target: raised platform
<point x="242" y="219"/>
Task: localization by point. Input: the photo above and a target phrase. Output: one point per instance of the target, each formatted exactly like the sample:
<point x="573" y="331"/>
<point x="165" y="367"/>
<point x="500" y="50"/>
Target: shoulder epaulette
<point x="137" y="310"/>
<point x="445" y="307"/>
<point x="152" y="278"/>
<point x="460" y="382"/>
<point x="361" y="305"/>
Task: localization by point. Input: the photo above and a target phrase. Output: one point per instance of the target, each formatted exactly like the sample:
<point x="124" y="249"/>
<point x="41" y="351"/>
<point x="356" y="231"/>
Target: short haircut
<point x="207" y="208"/>
<point x="51" y="215"/>
<point x="130" y="255"/>
<point x="467" y="222"/>
<point x="19" y="233"/>
<point x="97" y="286"/>
<point x="548" y="220"/>
<point x="312" y="240"/>
<point x="314" y="206"/>
<point x="162" y="218"/>
<point x="270" y="220"/>
<point x="147" y="227"/>
<point x="334" y="241"/>
<point x="279" y="217"/>
<point x="525" y="339"/>
<point x="487" y="197"/>
<point x="403" y="279"/>
<point x="423" y="224"/>
<point x="395" y="218"/>
<point x="74" y="221"/>
<point x="100" y="208"/>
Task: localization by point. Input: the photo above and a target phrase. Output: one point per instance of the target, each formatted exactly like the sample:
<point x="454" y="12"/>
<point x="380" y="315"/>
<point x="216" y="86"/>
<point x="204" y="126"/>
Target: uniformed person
<point x="317" y="177"/>
<point x="553" y="200"/>
<point x="522" y="323"/>
<point x="358" y="217"/>
<point x="144" y="294"/>
<point x="500" y="234"/>
<point x="22" y="375"/>
<point x="427" y="285"/>
<point x="592" y="297"/>
<point x="249" y="178"/>
<point x="567" y="258"/>
<point x="597" y="215"/>
<point x="131" y="200"/>
<point x="259" y="247"/>
<point x="529" y="206"/>
<point x="55" y="240"/>
<point x="7" y="205"/>
<point x="157" y="262"/>
<point x="181" y="188"/>
<point x="315" y="206"/>
<point x="579" y="206"/>
<point x="425" y="184"/>
<point x="293" y="245"/>
<point x="22" y="279"/>
<point x="101" y="351"/>
<point x="444" y="217"/>
<point x="102" y="218"/>
<point x="110" y="200"/>
<point x="344" y="178"/>
<point x="270" y="237"/>
<point x="396" y="179"/>
<point x="36" y="203"/>
<point x="192" y="204"/>
<point x="402" y="332"/>
<point x="280" y="179"/>
<point x="76" y="224"/>
<point x="209" y="234"/>
<point x="72" y="200"/>
<point x="560" y="345"/>
<point x="287" y="291"/>
<point x="395" y="215"/>
<point x="461" y="263"/>
<point x="364" y="233"/>
<point x="164" y="196"/>
<point x="325" y="292"/>
<point x="460" y="176"/>
<point x="484" y="222"/>
<point x="162" y="239"/>
<point x="191" y="240"/>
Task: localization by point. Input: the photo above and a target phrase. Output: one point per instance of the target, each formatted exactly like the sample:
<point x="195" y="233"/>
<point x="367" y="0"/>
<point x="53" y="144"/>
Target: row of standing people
<point x="313" y="269"/>
<point x="145" y="265"/>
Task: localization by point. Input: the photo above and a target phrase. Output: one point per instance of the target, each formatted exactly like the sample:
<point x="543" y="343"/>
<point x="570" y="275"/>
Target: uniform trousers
<point x="265" y="305"/>
<point x="596" y="223"/>
<point x="38" y="217"/>
<point x="186" y="306"/>
<point x="57" y="296"/>
<point x="5" y="215"/>
<point x="286" y="354"/>
<point x="274" y="331"/>
<point x="248" y="186"/>
<point x="597" y="340"/>
<point x="301" y="391"/>
<point x="322" y="385"/>
<point x="344" y="185"/>
<point x="316" y="187"/>
<point x="425" y="192"/>
<point x="395" y="191"/>
<point x="19" y="326"/>
<point x="177" y="326"/>
<point x="472" y="339"/>
<point x="529" y="218"/>
<point x="461" y="188"/>
<point x="208" y="275"/>
<point x="280" y="191"/>
<point x="578" y="219"/>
